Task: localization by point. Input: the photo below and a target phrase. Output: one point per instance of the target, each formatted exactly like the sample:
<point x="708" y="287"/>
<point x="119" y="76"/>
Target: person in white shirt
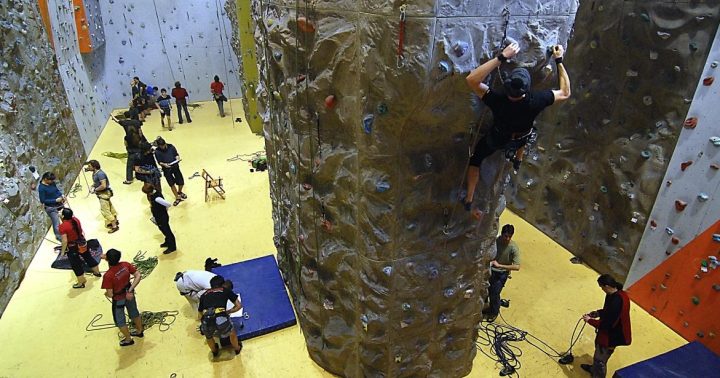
<point x="192" y="284"/>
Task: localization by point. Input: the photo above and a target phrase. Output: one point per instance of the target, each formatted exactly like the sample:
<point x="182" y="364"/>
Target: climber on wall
<point x="514" y="110"/>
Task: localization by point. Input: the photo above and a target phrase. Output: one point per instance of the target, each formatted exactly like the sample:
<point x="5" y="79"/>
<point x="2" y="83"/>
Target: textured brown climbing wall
<point x="367" y="156"/>
<point x="592" y="180"/>
<point x="37" y="128"/>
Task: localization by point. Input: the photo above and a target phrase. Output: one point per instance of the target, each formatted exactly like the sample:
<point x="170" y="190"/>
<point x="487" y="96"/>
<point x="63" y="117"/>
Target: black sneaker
<point x="127" y="343"/>
<point x="169" y="251"/>
<point x="136" y="334"/>
<point x="516" y="164"/>
<point x="587" y="367"/>
<point x="163" y="245"/>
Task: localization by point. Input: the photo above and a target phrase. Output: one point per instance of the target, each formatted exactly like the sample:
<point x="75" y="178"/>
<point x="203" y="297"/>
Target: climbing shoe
<point x="127" y="343"/>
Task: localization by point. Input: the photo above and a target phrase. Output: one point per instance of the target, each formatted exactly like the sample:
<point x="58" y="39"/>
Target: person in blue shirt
<point x="52" y="199"/>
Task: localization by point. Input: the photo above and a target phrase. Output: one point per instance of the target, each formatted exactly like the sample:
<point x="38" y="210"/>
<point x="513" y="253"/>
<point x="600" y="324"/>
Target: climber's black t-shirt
<point x="516" y="116"/>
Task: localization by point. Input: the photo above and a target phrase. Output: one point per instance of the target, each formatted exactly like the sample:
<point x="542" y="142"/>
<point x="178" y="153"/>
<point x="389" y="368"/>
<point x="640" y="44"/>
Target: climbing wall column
<point x="368" y="127"/>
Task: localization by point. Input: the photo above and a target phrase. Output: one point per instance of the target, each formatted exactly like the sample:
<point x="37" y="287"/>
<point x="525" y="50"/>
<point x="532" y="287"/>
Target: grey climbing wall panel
<point x="36" y="128"/>
<point x="163" y="41"/>
<point x="367" y="157"/>
<point x="94" y="23"/>
<point x="592" y="180"/>
<point x="90" y="107"/>
<point x="687" y="204"/>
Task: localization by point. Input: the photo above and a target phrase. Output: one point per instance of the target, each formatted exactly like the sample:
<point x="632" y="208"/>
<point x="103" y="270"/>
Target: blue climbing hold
<point x="382" y="186"/>
<point x="434" y="273"/>
<point x="368" y="123"/>
<point x="387" y="270"/>
<point x="444" y="66"/>
<point x="645" y="154"/>
<point x="716" y="237"/>
<point x="277" y="55"/>
<point x="449" y="292"/>
<point x="460" y="48"/>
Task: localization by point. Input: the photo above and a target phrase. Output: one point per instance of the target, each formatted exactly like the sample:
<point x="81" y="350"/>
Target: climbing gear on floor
<point x="143" y="265"/>
<point x="163" y="319"/>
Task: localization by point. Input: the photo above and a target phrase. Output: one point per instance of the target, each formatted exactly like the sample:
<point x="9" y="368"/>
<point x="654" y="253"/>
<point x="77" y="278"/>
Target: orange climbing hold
<point x="304" y="25"/>
<point x="708" y="81"/>
<point x="680" y="205"/>
<point x="686" y="164"/>
<point x="690" y="123"/>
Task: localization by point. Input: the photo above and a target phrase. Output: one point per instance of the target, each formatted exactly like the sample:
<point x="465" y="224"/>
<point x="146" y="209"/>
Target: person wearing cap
<point x="169" y="159"/>
<point x="101" y="188"/>
<point x="514" y="110"/>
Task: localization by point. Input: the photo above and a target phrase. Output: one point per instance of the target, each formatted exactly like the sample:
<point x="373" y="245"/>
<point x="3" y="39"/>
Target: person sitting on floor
<point x="215" y="317"/>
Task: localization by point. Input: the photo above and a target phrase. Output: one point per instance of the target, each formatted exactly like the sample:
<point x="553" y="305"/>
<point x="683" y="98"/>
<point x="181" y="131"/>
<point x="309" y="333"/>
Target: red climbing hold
<point x="330" y="101"/>
<point x="300" y="78"/>
<point x="690" y="123"/>
<point x="680" y="205"/>
<point x="686" y="164"/>
<point x="708" y="81"/>
<point x="675" y="240"/>
<point x="653" y="224"/>
<point x="305" y="26"/>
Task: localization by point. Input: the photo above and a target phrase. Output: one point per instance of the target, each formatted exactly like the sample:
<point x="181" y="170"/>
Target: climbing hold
<point x="368" y="123"/>
<point x="708" y="81"/>
<point x="382" y="109"/>
<point x="277" y="95"/>
<point x="645" y="17"/>
<point x="387" y="270"/>
<point x="715" y="166"/>
<point x="653" y="309"/>
<point x="460" y="48"/>
<point x="304" y="25"/>
<point x="449" y="292"/>
<point x="653" y="224"/>
<point x="681" y="312"/>
<point x="685" y="164"/>
<point x="669" y="230"/>
<point x="693" y="46"/>
<point x="668" y="253"/>
<point x="382" y="186"/>
<point x="444" y="66"/>
<point x="443" y="319"/>
<point x="663" y="35"/>
<point x="668" y="182"/>
<point x="716" y="287"/>
<point x="645" y="154"/>
<point x="696" y="300"/>
<point x="330" y="101"/>
<point x="647" y="100"/>
<point x="300" y="78"/>
<point x="714" y="64"/>
<point x="406" y="306"/>
<point x="603" y="189"/>
<point x="277" y="55"/>
<point x="702" y="197"/>
<point x="690" y="123"/>
<point x="667" y="274"/>
<point x="716" y="237"/>
<point x="306" y="186"/>
<point x="675" y="240"/>
<point x="700" y="334"/>
<point x="121" y="60"/>
<point x="663" y="287"/>
<point x="434" y="273"/>
<point x="680" y="205"/>
<point x="398" y="359"/>
<point x="686" y="324"/>
<point x="715" y="141"/>
<point x="326" y="225"/>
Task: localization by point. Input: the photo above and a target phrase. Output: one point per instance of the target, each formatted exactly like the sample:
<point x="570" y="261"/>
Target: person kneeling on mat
<point x="74" y="244"/>
<point x="215" y="317"/>
<point x="118" y="287"/>
<point x="192" y="284"/>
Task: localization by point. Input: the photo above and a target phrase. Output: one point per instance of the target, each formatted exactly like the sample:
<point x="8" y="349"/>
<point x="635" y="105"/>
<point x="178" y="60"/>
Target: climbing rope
<point x="75" y="189"/>
<point x="222" y="44"/>
<point x="247" y="157"/>
<point x="144" y="265"/>
<point x="115" y="155"/>
<point x="163" y="319"/>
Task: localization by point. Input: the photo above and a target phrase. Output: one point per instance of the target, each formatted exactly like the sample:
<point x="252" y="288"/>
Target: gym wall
<point x="367" y="150"/>
<point x="37" y="129"/>
<point x="163" y="41"/>
<point x="592" y="179"/>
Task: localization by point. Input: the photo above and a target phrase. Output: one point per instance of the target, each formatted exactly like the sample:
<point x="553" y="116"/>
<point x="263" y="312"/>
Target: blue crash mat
<point x="690" y="360"/>
<point x="263" y="296"/>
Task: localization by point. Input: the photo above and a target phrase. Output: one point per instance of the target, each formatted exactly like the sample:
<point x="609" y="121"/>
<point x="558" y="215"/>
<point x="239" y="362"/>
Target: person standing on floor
<point x="215" y="317"/>
<point x="181" y="96"/>
<point x="101" y="188"/>
<point x="612" y="324"/>
<point x="75" y="246"/>
<point x="169" y="159"/>
<point x="146" y="169"/>
<point x="133" y="138"/>
<point x="164" y="102"/>
<point x="216" y="89"/>
<point x="158" y="208"/>
<point x="506" y="260"/>
<point x="52" y="199"/>
<point x="121" y="290"/>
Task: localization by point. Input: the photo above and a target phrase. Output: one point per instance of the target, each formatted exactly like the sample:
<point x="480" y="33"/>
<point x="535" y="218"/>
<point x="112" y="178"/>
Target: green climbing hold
<point x="696" y="300"/>
<point x="603" y="189"/>
<point x="645" y="17"/>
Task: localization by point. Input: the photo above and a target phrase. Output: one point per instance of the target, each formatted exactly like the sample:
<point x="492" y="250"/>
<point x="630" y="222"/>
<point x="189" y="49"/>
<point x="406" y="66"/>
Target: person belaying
<point x="514" y="110"/>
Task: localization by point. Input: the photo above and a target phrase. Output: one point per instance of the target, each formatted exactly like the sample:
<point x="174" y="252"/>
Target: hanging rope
<point x="222" y="46"/>
<point x="401" y="37"/>
<point x="162" y="40"/>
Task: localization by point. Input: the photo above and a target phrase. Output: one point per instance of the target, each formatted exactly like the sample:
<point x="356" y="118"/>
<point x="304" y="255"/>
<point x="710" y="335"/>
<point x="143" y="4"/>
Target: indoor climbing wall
<point x="368" y="126"/>
<point x="675" y="274"/>
<point x="90" y="108"/>
<point x="89" y="24"/>
<point x="37" y="129"/>
<point x="591" y="181"/>
<point x="163" y="41"/>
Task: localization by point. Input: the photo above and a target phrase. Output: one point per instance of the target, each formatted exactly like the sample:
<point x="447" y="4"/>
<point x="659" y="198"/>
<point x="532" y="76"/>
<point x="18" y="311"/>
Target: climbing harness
<point x="401" y="37"/>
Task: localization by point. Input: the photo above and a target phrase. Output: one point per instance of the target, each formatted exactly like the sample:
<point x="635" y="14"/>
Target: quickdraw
<point x="401" y="37"/>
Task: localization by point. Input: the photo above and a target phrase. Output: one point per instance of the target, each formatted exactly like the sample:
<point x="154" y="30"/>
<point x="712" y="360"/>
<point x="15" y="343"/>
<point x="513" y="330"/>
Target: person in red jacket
<point x="216" y="89"/>
<point x="612" y="324"/>
<point x="181" y="96"/>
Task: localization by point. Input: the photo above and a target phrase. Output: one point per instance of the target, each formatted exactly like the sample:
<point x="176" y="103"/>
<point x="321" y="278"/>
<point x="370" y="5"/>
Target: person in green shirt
<point x="506" y="260"/>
